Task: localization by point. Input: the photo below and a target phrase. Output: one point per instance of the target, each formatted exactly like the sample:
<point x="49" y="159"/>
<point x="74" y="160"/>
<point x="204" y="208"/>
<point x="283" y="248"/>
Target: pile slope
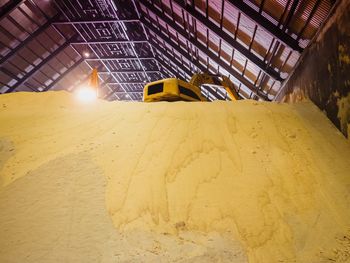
<point x="170" y="182"/>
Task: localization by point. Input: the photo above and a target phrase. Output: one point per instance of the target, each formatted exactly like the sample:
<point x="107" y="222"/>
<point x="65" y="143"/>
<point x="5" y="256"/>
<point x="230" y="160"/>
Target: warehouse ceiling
<point x="54" y="44"/>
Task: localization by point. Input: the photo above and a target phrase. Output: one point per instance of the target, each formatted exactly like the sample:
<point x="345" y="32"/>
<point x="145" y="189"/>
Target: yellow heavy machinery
<point x="173" y="89"/>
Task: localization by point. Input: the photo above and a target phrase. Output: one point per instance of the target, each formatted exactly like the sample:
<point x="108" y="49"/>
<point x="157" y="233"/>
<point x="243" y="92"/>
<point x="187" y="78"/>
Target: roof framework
<point x="53" y="45"/>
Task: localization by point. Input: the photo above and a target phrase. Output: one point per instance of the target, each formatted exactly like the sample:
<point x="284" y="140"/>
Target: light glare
<point x="86" y="94"/>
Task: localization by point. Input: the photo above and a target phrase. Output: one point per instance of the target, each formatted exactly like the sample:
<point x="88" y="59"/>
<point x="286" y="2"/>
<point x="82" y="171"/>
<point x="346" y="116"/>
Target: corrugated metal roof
<point x="54" y="44"/>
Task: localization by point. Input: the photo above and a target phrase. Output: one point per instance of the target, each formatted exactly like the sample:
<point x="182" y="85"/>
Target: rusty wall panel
<point x="323" y="75"/>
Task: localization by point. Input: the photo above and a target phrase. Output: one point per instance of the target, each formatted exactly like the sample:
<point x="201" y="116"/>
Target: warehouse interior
<point x="263" y="177"/>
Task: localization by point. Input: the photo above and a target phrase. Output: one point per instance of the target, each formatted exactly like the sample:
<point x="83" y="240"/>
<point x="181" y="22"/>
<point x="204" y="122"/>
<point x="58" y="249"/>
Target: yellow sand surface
<point x="171" y="182"/>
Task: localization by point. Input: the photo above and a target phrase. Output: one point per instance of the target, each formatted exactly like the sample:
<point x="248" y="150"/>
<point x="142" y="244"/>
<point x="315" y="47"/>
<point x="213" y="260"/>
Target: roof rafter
<point x="37" y="32"/>
<point x="184" y="68"/>
<point x="9" y="7"/>
<point x="83" y="37"/>
<point x="70" y="69"/>
<point x="198" y="45"/>
<point x="125" y="91"/>
<point x="37" y="67"/>
<point x="95" y="21"/>
<point x="9" y="73"/>
<point x="230" y="40"/>
<point x="266" y="24"/>
<point x="174" y="60"/>
<point x="133" y="71"/>
<point x="162" y="63"/>
<point x="106" y="41"/>
<point x="119" y="58"/>
<point x="166" y="39"/>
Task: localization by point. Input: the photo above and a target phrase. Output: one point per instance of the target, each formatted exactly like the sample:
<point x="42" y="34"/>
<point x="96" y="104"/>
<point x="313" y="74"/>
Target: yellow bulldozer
<point x="173" y="89"/>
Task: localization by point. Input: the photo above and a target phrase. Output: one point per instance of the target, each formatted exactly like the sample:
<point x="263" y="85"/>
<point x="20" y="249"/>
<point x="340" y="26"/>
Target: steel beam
<point x="166" y="39"/>
<point x="184" y="68"/>
<point x="175" y="61"/>
<point x="120" y="92"/>
<point x="229" y="39"/>
<point x="118" y="58"/>
<point x="215" y="92"/>
<point x="126" y="83"/>
<point x="178" y="64"/>
<point x="267" y="24"/>
<point x="123" y="92"/>
<point x="129" y="71"/>
<point x="300" y="34"/>
<point x="52" y="84"/>
<point x="9" y="7"/>
<point x="106" y="41"/>
<point x="82" y="36"/>
<point x="123" y="29"/>
<point x="290" y="14"/>
<point x="199" y="46"/>
<point x="12" y="75"/>
<point x="43" y="62"/>
<point x="96" y="21"/>
<point x="113" y="90"/>
<point x="40" y="30"/>
<point x="170" y="69"/>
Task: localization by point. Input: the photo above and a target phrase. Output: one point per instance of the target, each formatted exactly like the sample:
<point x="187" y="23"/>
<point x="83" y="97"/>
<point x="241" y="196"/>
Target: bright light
<point x="86" y="94"/>
<point x="86" y="54"/>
